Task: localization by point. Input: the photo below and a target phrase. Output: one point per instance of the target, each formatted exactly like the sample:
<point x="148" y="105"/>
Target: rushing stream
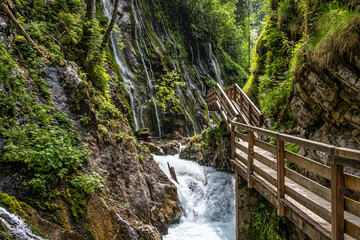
<point x="208" y="200"/>
<point x="16" y="226"/>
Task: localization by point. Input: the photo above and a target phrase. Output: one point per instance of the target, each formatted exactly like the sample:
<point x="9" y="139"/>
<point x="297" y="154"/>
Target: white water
<point x="215" y="64"/>
<point x="124" y="71"/>
<point x="140" y="43"/>
<point x="207" y="198"/>
<point x="17" y="226"/>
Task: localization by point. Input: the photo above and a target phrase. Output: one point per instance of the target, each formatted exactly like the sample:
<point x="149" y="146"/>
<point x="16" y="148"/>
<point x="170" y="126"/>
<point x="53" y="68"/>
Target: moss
<point x="21" y="209"/>
<point x="4" y="235"/>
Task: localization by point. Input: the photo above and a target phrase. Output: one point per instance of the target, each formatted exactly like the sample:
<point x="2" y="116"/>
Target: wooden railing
<point x="320" y="210"/>
<point x="234" y="104"/>
<point x="248" y="112"/>
<point x="218" y="101"/>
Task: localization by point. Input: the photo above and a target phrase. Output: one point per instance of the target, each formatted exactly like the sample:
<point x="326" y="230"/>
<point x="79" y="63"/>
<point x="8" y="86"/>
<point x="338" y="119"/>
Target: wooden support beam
<point x="250" y="115"/>
<point x="337" y="201"/>
<point x="233" y="141"/>
<point x="237" y="203"/>
<point x="280" y="176"/>
<point x="250" y="163"/>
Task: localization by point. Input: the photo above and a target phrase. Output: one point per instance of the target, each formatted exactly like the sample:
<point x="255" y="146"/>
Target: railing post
<point x="280" y="176"/>
<point x="241" y="102"/>
<point x="237" y="203"/>
<point x="250" y="163"/>
<point x="232" y="141"/>
<point x="337" y="200"/>
<point x="250" y="114"/>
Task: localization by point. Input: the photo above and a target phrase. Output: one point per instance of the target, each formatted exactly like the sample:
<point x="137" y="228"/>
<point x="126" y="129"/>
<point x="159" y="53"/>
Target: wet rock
<point x="143" y="134"/>
<point x="191" y="152"/>
<point x="304" y="117"/>
<point x="6" y="30"/>
<point x="154" y="149"/>
<point x="216" y="156"/>
<point x="175" y="136"/>
<point x="171" y="148"/>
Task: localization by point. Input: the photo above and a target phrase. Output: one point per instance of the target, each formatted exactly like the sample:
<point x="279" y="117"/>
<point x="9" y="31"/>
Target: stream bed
<point x="207" y="197"/>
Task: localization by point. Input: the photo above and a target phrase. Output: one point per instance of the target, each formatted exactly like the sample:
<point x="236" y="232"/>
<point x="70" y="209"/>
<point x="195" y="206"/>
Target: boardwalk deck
<point x="320" y="211"/>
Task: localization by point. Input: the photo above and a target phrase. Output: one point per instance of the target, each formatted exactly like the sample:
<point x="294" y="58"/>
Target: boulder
<point x="143" y="134"/>
<point x="171" y="148"/>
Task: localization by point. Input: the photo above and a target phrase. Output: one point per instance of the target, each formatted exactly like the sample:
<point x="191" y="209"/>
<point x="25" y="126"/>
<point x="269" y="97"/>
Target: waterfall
<point x="16" y="226"/>
<point x="208" y="200"/>
<point x="126" y="74"/>
<point x="140" y="46"/>
<point x="215" y="64"/>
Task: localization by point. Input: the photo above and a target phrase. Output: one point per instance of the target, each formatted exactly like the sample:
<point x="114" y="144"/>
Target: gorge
<point x="81" y="119"/>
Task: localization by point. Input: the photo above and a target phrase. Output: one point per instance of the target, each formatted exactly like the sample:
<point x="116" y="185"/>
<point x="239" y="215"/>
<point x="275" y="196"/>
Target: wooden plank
<point x="322" y="147"/>
<point x="261" y="157"/>
<point x="241" y="147"/>
<point x="233" y="149"/>
<point x="256" y="129"/>
<point x="310" y="165"/>
<point x="352" y="228"/>
<point x="243" y="137"/>
<point x="250" y="114"/>
<point x="352" y="206"/>
<point x="347" y="162"/>
<point x="352" y="182"/>
<point x="311" y="202"/>
<point x="237" y="203"/>
<point x="226" y="99"/>
<point x="225" y="106"/>
<point x="307" y="224"/>
<point x="309" y="184"/>
<point x="266" y="146"/>
<point x="250" y="164"/>
<point x="347" y="153"/>
<point x="241" y="92"/>
<point x="337" y="202"/>
<point x="281" y="176"/>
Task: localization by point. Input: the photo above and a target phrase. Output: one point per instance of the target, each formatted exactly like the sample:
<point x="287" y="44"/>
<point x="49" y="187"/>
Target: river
<point x="207" y="197"/>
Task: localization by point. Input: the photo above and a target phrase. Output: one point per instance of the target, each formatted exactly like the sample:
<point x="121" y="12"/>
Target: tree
<point x="90" y="9"/>
<point x="111" y="25"/>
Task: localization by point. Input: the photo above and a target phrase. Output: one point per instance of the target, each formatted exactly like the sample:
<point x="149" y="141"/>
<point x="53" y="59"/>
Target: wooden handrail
<point x="254" y="160"/>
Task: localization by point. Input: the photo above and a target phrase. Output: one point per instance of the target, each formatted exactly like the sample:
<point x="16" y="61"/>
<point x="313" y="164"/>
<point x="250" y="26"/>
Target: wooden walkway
<point x="322" y="212"/>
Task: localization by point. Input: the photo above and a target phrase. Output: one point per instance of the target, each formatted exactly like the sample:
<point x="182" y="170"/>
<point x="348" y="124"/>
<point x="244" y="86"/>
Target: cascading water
<point x="208" y="200"/>
<point x="140" y="46"/>
<point x="152" y="33"/>
<point x="124" y="71"/>
<point x="215" y="64"/>
<point x="16" y="226"/>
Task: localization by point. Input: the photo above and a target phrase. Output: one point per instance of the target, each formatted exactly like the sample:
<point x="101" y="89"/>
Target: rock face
<point x="217" y="156"/>
<point x="326" y="104"/>
<point x="249" y="201"/>
<point x="137" y="200"/>
<point x="137" y="182"/>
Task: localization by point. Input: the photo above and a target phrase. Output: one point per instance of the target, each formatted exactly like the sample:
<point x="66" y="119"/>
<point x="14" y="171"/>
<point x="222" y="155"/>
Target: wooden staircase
<point x="321" y="211"/>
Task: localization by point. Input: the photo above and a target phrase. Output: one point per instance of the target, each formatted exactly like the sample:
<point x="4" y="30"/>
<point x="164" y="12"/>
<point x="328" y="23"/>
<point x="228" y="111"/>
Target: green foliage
<point x="41" y="144"/>
<point x="268" y="223"/>
<point x="213" y="135"/>
<point x="337" y="33"/>
<point x="87" y="183"/>
<point x="165" y="91"/>
<point x="21" y="209"/>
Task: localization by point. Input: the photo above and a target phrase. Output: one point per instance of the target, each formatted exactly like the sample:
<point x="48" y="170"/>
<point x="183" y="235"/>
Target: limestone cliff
<point x="307" y="69"/>
<point x="54" y="101"/>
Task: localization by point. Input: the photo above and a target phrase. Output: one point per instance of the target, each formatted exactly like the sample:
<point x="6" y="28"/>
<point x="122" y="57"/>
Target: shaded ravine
<point x="207" y="198"/>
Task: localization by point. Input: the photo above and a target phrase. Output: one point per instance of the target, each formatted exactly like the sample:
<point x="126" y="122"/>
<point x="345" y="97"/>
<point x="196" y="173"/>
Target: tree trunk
<point x="111" y="25"/>
<point x="21" y="29"/>
<point x="90" y="9"/>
